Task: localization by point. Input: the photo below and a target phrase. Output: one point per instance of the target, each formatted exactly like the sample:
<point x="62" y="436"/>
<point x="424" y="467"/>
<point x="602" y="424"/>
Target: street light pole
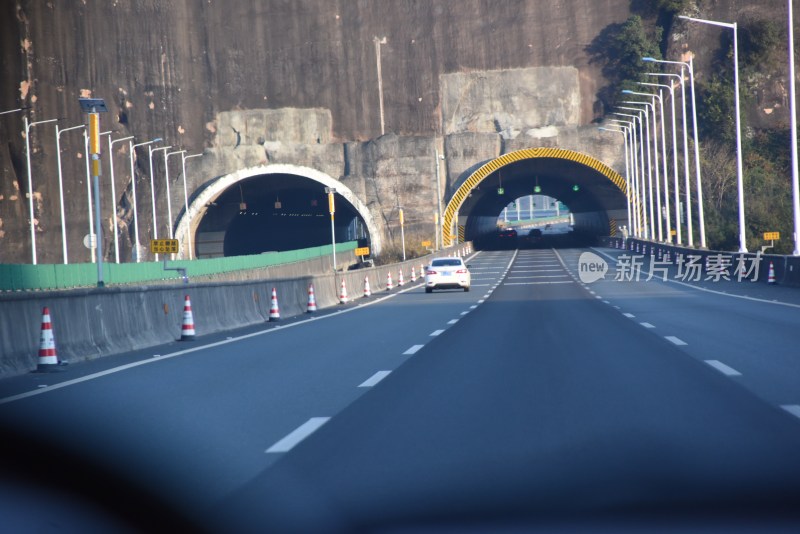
<point x="793" y="128"/>
<point x="61" y="189"/>
<point x="627" y="127"/>
<point x="739" y="166"/>
<point x="114" y="192"/>
<point x="28" y="126"/>
<point x="186" y="203"/>
<point x="638" y="158"/>
<point x="655" y="160"/>
<point x="332" y="209"/>
<point x="689" y="229"/>
<point x="674" y="155"/>
<point x="402" y="230"/>
<point x="169" y="201"/>
<point x="136" y="244"/>
<point x="150" y="151"/>
<point x="624" y="131"/>
<point x="647" y="188"/>
<point x="675" y="150"/>
<point x="439" y="157"/>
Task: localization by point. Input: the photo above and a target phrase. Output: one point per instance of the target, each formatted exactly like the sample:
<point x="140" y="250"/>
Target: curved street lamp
<point x="59" y="131"/>
<point x="136" y="244"/>
<point x="28" y="126"/>
<point x="624" y="131"/>
<point x="639" y="185"/>
<point x="114" y="192"/>
<point x="646" y="187"/>
<point x="739" y="167"/>
<point x="700" y="211"/>
<point x="652" y="105"/>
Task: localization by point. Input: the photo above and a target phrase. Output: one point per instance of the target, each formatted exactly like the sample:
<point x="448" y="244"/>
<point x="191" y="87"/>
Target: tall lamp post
<point x="630" y="169"/>
<point x="674" y="158"/>
<point x="93" y="107"/>
<point x="150" y="151"/>
<point x="624" y="131"/>
<point x="136" y="244"/>
<point x="655" y="158"/>
<point x="61" y="189"/>
<point x="689" y="224"/>
<point x="186" y="202"/>
<point x="639" y="174"/>
<point x="166" y="179"/>
<point x="678" y="211"/>
<point x="739" y="166"/>
<point x="332" y="209"/>
<point x="28" y="126"/>
<point x="92" y="235"/>
<point x="647" y="188"/>
<point x="114" y="193"/>
<point x="793" y="122"/>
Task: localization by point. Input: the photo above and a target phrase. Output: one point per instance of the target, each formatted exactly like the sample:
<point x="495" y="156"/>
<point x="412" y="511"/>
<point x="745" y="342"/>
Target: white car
<point x="447" y="273"/>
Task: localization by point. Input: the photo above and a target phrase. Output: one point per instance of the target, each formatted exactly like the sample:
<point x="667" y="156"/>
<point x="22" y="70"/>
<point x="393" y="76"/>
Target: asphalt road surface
<point x="533" y="401"/>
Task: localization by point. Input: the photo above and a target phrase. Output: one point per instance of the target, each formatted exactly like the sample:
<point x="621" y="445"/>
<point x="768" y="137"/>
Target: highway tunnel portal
<point x="594" y="193"/>
<point x="272" y="208"/>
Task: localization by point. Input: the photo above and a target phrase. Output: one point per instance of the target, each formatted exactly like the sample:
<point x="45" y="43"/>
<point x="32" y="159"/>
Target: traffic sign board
<point x="772" y="236"/>
<point x="362" y="251"/>
<point x="164" y="246"/>
<point x="426" y="243"/>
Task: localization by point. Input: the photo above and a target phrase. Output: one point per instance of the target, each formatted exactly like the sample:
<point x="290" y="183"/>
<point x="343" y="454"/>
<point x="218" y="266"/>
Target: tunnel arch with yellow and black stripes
<point x="594" y="192"/>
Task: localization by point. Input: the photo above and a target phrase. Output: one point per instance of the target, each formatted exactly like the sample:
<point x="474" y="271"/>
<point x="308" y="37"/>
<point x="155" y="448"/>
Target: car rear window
<point x="446" y="263"/>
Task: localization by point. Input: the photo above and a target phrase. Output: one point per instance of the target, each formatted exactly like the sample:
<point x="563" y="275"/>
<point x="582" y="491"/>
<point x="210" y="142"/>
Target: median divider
<point x="96" y="322"/>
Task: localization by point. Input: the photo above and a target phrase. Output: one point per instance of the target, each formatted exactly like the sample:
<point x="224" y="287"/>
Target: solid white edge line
<point x="743" y="297"/>
<point x="297" y="435"/>
<point x="722" y="368"/>
<point x="374" y="379"/>
<point x="413" y="349"/>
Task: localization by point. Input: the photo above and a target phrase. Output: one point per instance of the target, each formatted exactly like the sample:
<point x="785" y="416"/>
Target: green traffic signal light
<point x="575" y="187"/>
<point x="537" y="189"/>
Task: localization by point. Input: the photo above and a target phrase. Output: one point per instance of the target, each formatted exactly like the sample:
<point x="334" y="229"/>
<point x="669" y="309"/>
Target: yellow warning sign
<point x="164" y="246"/>
<point x="772" y="236"/>
<point x="362" y="251"/>
<point x="426" y="243"/>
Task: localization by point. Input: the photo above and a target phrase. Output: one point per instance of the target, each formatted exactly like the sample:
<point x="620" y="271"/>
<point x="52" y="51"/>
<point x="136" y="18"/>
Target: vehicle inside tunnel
<point x="272" y="213"/>
<point x="598" y="205"/>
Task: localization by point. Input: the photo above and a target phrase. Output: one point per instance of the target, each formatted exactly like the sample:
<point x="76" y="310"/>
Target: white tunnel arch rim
<point x="461" y="194"/>
<point x="222" y="183"/>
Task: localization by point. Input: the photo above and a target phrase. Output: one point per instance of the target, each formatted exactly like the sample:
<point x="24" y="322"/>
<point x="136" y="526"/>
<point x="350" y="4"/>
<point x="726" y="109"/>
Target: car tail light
<point x="461" y="271"/>
<point x="430" y="272"/>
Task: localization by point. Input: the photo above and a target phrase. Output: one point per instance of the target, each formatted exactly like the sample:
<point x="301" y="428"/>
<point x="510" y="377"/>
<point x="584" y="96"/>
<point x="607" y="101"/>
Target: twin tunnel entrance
<point x="285" y="207"/>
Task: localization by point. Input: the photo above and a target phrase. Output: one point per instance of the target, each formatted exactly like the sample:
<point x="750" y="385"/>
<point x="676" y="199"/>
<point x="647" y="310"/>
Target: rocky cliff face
<point x="251" y="82"/>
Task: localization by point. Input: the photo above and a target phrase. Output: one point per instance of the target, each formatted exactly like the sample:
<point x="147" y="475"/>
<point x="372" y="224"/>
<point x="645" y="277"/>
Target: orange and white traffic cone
<point x="367" y="290"/>
<point x="343" y="299"/>
<point x="770" y="276"/>
<point x="48" y="360"/>
<point x="187" y="328"/>
<point x="312" y="301"/>
<point x="389" y="284"/>
<point x="274" y="311"/>
<point x="400" y="279"/>
<point x="413" y="274"/>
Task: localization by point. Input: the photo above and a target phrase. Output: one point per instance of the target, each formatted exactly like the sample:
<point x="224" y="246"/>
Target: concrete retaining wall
<point x="91" y="323"/>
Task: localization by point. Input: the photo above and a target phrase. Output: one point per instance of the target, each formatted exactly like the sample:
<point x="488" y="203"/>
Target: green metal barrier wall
<point x="15" y="277"/>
